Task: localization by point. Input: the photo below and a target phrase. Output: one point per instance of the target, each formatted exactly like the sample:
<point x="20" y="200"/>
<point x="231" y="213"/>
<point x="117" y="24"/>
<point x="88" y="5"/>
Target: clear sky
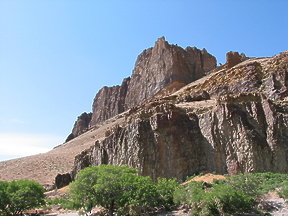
<point x="56" y="54"/>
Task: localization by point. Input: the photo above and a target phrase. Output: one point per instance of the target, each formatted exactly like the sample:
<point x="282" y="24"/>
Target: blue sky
<point x="56" y="54"/>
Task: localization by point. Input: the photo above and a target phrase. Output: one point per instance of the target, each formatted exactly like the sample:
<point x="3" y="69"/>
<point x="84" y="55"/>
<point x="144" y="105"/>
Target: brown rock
<point x="234" y="58"/>
<point x="62" y="180"/>
<point x="162" y="69"/>
<point x="80" y="126"/>
<point x="156" y="67"/>
<point x="109" y="102"/>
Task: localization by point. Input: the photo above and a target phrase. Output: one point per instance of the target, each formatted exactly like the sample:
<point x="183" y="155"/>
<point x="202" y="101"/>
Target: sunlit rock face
<point x="160" y="70"/>
<point x="233" y="120"/>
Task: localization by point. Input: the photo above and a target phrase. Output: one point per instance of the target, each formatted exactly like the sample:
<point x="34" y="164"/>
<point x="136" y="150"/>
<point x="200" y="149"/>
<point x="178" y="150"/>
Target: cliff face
<point x="159" y="66"/>
<point x="179" y="115"/>
<point x="233" y="120"/>
<point x="164" y="66"/>
<point x="109" y="102"/>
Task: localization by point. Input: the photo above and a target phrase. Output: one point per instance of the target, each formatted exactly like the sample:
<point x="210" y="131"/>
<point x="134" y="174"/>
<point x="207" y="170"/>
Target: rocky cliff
<point x="233" y="120"/>
<point x="185" y="117"/>
<point x="162" y="69"/>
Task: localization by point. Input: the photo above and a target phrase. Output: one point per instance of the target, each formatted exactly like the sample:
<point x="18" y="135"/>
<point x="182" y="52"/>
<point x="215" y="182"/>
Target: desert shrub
<point x="283" y="192"/>
<point x="249" y="184"/>
<point x="219" y="198"/>
<point x="270" y="181"/>
<point x="112" y="187"/>
<point x="225" y="200"/>
<point x="166" y="188"/>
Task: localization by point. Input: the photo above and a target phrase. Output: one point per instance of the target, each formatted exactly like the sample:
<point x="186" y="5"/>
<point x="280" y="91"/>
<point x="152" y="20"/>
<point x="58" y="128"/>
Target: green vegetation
<point x="235" y="195"/>
<point x="19" y="196"/>
<point x="217" y="199"/>
<point x="118" y="188"/>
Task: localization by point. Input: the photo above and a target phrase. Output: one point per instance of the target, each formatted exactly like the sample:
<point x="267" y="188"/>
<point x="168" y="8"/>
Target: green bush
<point x="19" y="196"/>
<point x="270" y="181"/>
<point x="236" y="194"/>
<point x="249" y="184"/>
<point x="166" y="188"/>
<point x="225" y="200"/>
<point x="215" y="199"/>
<point x="112" y="187"/>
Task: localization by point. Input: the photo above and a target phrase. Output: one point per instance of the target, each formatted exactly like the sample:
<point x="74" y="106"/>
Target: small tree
<point x="112" y="187"/>
<point x="19" y="196"/>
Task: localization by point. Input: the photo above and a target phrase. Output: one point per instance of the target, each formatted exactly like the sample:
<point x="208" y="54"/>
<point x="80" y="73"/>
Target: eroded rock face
<point x="156" y="67"/>
<point x="80" y="126"/>
<point x="231" y="138"/>
<point x="164" y="66"/>
<point x="62" y="180"/>
<point x="109" y="102"/>
<point x="167" y="144"/>
<point x="234" y="121"/>
<point x="234" y="58"/>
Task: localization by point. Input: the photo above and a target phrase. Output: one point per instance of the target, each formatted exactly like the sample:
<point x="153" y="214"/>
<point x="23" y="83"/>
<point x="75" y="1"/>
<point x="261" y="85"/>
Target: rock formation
<point x="164" y="66"/>
<point x="62" y="180"/>
<point x="80" y="126"/>
<point x="234" y="58"/>
<point x="179" y="115"/>
<point x="234" y="120"/>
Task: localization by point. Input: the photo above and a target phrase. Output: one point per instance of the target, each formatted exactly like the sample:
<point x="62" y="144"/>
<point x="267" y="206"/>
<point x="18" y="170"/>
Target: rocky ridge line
<point x="162" y="69"/>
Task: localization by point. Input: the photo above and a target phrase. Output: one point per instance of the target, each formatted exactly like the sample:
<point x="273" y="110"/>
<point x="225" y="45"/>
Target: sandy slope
<point x="44" y="167"/>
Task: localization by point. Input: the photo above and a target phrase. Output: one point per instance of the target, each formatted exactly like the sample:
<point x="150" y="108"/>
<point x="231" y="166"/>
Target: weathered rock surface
<point x="62" y="180"/>
<point x="234" y="58"/>
<point x="156" y="67"/>
<point x="164" y="66"/>
<point x="231" y="119"/>
<point x="80" y="126"/>
<point x="234" y="120"/>
<point x="109" y="102"/>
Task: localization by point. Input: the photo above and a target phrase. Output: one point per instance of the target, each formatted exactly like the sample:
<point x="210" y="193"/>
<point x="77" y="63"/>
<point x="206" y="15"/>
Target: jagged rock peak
<point x="162" y="69"/>
<point x="80" y="126"/>
<point x="234" y="58"/>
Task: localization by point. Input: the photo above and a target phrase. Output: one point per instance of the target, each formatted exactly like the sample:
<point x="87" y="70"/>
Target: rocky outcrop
<point x="80" y="126"/>
<point x="62" y="180"/>
<point x="109" y="101"/>
<point x="164" y="68"/>
<point x="234" y="58"/>
<point x="166" y="144"/>
<point x="235" y="120"/>
<point x="156" y="67"/>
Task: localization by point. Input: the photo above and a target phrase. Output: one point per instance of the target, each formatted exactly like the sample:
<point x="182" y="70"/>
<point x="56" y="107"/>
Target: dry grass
<point x="43" y="168"/>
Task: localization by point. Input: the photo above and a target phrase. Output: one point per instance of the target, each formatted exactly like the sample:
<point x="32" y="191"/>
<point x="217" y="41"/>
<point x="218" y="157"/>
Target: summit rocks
<point x="160" y="71"/>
